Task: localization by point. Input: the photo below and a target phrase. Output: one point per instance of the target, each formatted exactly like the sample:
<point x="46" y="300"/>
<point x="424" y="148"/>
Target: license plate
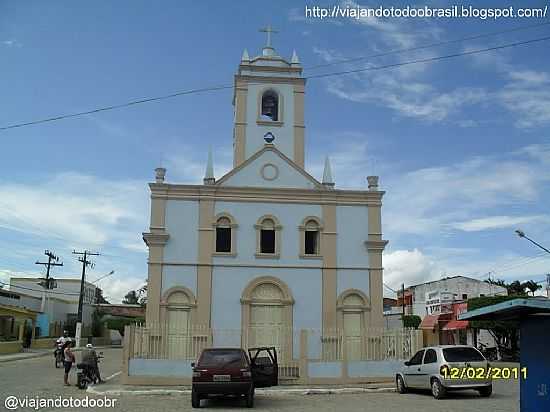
<point x="222" y="378"/>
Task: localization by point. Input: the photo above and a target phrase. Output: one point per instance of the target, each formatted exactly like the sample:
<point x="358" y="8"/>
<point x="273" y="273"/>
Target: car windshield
<point x="462" y="355"/>
<point x="222" y="358"/>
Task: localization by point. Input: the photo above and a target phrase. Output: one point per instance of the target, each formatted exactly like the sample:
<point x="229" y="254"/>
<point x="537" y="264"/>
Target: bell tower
<point x="269" y="98"/>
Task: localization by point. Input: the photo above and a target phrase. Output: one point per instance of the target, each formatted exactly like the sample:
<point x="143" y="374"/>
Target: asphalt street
<point x="37" y="377"/>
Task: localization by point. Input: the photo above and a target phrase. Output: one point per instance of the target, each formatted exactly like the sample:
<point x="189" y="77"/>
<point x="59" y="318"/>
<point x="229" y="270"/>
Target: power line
<point x="426" y="46"/>
<point x="324" y="75"/>
<point x="37" y="290"/>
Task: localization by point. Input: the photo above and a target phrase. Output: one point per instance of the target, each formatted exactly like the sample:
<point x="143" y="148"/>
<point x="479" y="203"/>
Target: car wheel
<point x="400" y="384"/>
<point x="486" y="391"/>
<point x="438" y="391"/>
<point x="195" y="399"/>
<point x="250" y="398"/>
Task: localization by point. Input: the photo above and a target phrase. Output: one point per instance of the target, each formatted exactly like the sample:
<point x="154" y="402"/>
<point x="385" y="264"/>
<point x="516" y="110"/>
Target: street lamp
<point x="521" y="233"/>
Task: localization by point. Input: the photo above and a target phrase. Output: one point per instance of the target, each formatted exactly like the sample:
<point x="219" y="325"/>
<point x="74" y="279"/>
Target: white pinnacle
<point x="327" y="173"/>
<point x="246" y="57"/>
<point x="209" y="175"/>
<point x="294" y="59"/>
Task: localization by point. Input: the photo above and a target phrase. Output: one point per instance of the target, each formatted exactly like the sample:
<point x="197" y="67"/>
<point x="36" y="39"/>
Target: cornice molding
<point x="155" y="239"/>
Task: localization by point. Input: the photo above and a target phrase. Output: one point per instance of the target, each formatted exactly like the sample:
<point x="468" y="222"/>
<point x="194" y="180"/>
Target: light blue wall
<point x="179" y="276"/>
<point x="374" y="369"/>
<point x="305" y="285"/>
<point x="160" y="367"/>
<point x="324" y="369"/>
<point x="182" y="219"/>
<point x="251" y="174"/>
<point x="352" y="227"/>
<point x="352" y="279"/>
<point x="290" y="217"/>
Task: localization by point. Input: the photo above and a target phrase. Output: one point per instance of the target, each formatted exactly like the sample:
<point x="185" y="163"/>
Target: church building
<point x="266" y="249"/>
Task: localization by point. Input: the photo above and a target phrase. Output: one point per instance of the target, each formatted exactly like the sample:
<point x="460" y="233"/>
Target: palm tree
<point x="532" y="286"/>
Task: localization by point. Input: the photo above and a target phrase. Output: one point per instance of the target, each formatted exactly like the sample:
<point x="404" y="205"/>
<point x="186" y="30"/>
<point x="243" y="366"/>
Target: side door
<point x="264" y="366"/>
<point x="413" y="370"/>
<point x="429" y="368"/>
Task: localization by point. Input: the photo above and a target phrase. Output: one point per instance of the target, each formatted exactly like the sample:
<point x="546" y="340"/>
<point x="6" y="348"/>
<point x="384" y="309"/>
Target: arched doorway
<point x="352" y="305"/>
<point x="177" y="309"/>
<point x="267" y="315"/>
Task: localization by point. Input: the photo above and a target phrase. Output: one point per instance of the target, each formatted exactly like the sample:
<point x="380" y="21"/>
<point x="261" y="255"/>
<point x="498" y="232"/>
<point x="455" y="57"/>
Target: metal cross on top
<point x="268" y="30"/>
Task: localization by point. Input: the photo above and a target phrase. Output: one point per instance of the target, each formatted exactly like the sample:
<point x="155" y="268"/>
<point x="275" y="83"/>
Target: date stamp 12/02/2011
<point x="490" y="372"/>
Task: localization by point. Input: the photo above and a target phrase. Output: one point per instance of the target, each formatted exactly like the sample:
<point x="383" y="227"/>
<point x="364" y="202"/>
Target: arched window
<point x="224" y="238"/>
<point x="268" y="237"/>
<point x="270" y="106"/>
<point x="310" y="237"/>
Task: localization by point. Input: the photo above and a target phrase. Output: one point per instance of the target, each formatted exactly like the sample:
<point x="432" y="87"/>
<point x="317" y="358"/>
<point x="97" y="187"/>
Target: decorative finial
<point x="209" y="175"/>
<point x="269" y="137"/>
<point x="246" y="57"/>
<point x="160" y="173"/>
<point x="328" y="181"/>
<point x="294" y="59"/>
<point x="373" y="182"/>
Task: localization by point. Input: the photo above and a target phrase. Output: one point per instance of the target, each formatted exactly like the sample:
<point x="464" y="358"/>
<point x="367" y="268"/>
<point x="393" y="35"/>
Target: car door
<point x="264" y="366"/>
<point x="413" y="370"/>
<point x="429" y="368"/>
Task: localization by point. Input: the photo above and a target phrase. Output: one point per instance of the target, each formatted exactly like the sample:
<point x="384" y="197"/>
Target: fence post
<point x="126" y="354"/>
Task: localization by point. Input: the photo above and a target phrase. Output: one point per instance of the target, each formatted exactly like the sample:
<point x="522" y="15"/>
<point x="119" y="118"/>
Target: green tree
<point x="411" y="321"/>
<point x="532" y="286"/>
<point x="131" y="298"/>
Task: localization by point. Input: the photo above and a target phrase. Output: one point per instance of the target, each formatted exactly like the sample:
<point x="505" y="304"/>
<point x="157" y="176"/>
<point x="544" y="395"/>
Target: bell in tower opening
<point x="270" y="106"/>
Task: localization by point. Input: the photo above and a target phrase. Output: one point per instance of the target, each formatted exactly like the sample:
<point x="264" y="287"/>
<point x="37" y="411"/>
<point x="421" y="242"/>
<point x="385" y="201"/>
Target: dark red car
<point x="233" y="372"/>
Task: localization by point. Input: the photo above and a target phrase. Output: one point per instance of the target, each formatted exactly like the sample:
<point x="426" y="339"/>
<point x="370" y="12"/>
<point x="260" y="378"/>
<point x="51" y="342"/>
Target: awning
<point x="429" y="322"/>
<point x="456" y="324"/>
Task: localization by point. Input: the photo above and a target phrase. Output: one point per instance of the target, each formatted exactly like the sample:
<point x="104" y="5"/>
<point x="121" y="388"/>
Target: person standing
<point x="68" y="360"/>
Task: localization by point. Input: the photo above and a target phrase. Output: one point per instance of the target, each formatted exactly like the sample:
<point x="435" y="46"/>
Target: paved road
<point x="33" y="377"/>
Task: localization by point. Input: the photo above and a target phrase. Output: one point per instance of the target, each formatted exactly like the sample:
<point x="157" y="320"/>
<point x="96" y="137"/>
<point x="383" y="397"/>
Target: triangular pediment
<point x="269" y="168"/>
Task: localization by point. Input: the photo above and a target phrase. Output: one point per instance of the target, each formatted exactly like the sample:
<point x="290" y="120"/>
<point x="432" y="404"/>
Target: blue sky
<point x="462" y="146"/>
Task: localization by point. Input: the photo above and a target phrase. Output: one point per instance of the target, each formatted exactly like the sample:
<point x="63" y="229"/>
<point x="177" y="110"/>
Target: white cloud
<point x="79" y="209"/>
<point x="409" y="267"/>
<point x="11" y="43"/>
<point x="497" y="222"/>
<point x="187" y="164"/>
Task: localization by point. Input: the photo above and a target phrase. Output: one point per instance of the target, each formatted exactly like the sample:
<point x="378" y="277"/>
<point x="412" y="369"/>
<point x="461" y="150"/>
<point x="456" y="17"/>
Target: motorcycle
<point x="88" y="374"/>
<point x="58" y="353"/>
<point x="489" y="353"/>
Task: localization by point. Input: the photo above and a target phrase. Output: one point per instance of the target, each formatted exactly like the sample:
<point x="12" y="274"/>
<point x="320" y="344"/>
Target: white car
<point x="446" y="368"/>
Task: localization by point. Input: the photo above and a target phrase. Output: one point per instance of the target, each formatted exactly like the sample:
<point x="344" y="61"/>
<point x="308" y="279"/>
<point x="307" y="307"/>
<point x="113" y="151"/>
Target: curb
<point x="28" y="355"/>
<point x="310" y="391"/>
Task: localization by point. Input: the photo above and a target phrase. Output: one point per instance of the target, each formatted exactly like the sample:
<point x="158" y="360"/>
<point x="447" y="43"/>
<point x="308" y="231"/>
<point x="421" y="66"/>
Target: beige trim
<point x="263" y="174"/>
<point x="234" y="226"/>
<point x="342" y="309"/>
<point x="204" y="273"/>
<point x="251" y="79"/>
<point x="280" y="108"/>
<point x="319" y="195"/>
<point x="329" y="264"/>
<point x="274" y="69"/>
<point x="302" y="234"/>
<point x="191" y="306"/>
<point x="287" y="302"/>
<point x="277" y="227"/>
<point x="299" y="124"/>
<point x="155" y="240"/>
<point x="272" y="148"/>
<point x="255" y="265"/>
<point x="239" y="129"/>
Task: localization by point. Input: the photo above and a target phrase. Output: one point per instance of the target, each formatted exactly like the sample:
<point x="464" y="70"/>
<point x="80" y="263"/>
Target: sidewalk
<point x="113" y="387"/>
<point x="36" y="353"/>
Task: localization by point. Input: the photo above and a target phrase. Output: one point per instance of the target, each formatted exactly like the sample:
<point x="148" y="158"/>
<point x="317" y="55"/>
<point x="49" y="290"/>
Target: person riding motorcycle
<point x="90" y="358"/>
<point x="60" y="345"/>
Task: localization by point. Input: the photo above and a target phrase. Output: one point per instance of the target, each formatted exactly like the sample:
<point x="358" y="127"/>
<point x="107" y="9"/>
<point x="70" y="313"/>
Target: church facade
<point x="266" y="249"/>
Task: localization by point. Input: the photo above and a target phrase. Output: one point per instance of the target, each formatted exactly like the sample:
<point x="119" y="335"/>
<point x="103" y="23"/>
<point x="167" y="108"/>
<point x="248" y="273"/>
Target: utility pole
<point x="85" y="263"/>
<point x="48" y="283"/>
<point x="403" y="297"/>
<point x="548" y="285"/>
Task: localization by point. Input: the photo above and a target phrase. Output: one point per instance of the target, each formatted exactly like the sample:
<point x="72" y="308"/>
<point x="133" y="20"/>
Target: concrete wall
<point x="10" y="347"/>
<point x="374" y="369"/>
<point x="182" y="219"/>
<point x="179" y="276"/>
<point x="352" y="224"/>
<point x="160" y="367"/>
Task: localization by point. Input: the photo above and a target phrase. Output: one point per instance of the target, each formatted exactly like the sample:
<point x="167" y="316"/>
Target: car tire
<point x="195" y="399"/>
<point x="486" y="391"/>
<point x="400" y="384"/>
<point x="438" y="391"/>
<point x="250" y="398"/>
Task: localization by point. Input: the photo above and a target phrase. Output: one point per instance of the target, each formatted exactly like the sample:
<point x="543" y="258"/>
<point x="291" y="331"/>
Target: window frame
<point x="302" y="233"/>
<point x="260" y="224"/>
<point x="262" y="122"/>
<point x="233" y="226"/>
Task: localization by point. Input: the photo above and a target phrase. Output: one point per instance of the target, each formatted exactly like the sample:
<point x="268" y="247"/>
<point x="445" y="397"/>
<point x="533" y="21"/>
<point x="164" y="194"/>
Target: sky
<point x="461" y="145"/>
